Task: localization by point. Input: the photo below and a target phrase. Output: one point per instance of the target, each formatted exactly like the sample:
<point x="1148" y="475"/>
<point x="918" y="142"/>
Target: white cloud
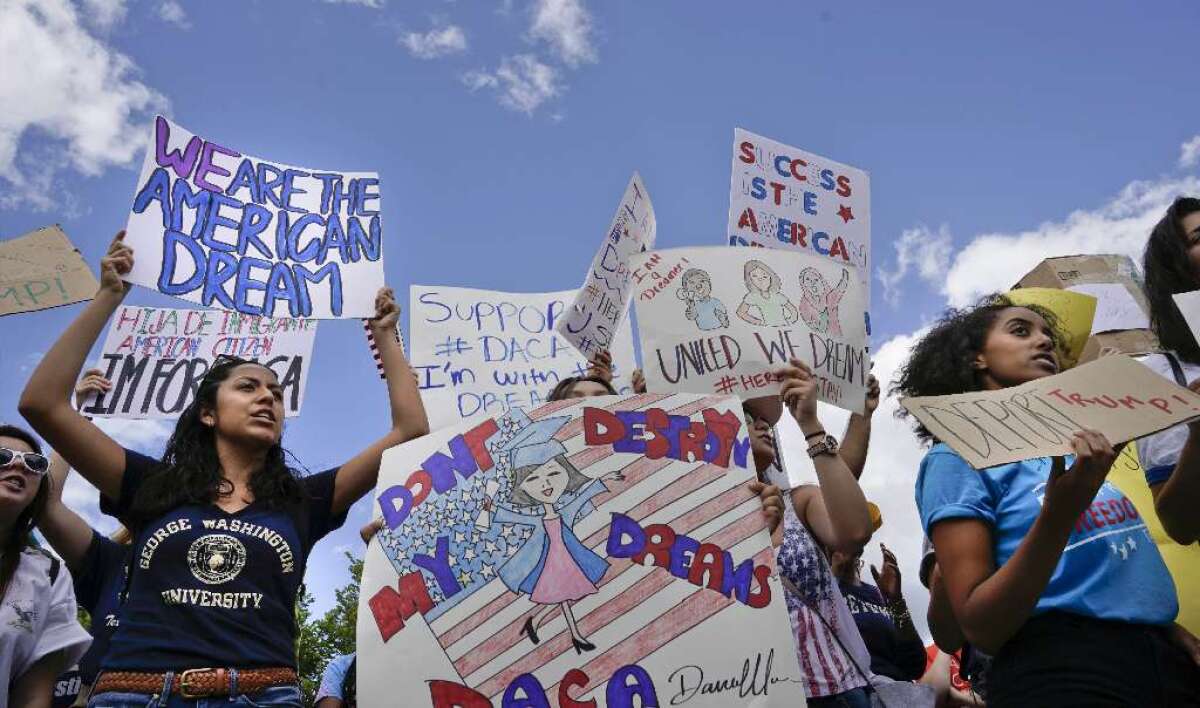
<point x="171" y="12"/>
<point x="63" y="84"/>
<point x="437" y="42"/>
<point x="566" y="26"/>
<point x="920" y="247"/>
<point x="522" y="83"/>
<point x="993" y="262"/>
<point x="374" y="4"/>
<point x="1189" y="153"/>
<point x="104" y="14"/>
<point x="145" y="436"/>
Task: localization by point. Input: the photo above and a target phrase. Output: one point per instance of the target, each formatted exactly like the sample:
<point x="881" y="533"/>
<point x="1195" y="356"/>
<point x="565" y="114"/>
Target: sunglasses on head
<point x="34" y="462"/>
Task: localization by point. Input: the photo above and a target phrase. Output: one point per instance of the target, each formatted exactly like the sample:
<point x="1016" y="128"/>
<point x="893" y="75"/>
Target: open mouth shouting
<point x="1047" y="361"/>
<point x="264" y="414"/>
<point x="14" y="481"/>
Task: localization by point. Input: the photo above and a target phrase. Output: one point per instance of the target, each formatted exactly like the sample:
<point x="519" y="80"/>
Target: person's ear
<point x="208" y="417"/>
<point x="980" y="363"/>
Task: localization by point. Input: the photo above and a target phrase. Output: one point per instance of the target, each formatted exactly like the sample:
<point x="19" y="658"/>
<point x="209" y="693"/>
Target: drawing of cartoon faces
<point x="546" y="483"/>
<point x="697" y="283"/>
<point x="760" y="277"/>
<point x="813" y="284"/>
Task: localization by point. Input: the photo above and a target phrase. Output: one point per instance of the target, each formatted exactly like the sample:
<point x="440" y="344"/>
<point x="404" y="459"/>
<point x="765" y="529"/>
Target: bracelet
<point x="813" y="435"/>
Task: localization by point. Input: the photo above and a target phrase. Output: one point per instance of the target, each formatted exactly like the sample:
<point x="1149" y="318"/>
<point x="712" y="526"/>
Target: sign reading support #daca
<point x="722" y="320"/>
<point x="601" y="551"/>
<point x="222" y="229"/>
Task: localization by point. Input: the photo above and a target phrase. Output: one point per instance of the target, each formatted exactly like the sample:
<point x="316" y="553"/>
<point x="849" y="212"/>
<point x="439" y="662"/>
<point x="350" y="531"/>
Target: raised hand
<point x="772" y="503"/>
<point x="93" y="381"/>
<point x="601" y="366"/>
<point x="387" y="312"/>
<point x="888" y="579"/>
<point x="798" y="389"/>
<point x="872" y="399"/>
<point x="115" y="265"/>
<point x="639" y="381"/>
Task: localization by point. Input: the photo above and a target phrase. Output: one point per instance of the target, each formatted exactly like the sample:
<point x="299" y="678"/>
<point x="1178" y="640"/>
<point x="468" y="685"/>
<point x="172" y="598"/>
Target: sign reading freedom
<point x="155" y="357"/>
<point x="222" y="229"/>
<point x="1114" y="395"/>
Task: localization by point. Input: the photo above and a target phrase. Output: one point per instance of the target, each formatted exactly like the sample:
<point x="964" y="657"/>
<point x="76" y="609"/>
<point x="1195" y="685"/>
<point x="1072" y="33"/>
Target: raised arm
<point x="992" y="604"/>
<point x="46" y="400"/>
<point x="836" y="512"/>
<point x="857" y="437"/>
<point x="358" y="476"/>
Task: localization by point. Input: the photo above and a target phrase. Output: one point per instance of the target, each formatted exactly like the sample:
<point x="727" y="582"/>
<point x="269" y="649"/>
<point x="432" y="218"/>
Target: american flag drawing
<point x="637" y="609"/>
<point x="375" y="347"/>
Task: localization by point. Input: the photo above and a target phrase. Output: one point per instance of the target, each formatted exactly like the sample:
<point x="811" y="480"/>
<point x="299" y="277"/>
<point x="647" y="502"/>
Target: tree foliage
<point x="320" y="639"/>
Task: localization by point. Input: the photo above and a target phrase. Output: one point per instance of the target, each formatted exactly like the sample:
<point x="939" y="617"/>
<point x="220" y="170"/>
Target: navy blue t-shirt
<point x="210" y="588"/>
<point x="97" y="589"/>
<point x="891" y="655"/>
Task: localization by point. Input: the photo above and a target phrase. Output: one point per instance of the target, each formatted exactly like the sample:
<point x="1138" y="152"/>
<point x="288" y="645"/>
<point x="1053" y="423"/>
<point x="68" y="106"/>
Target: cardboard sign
<point x="42" y="269"/>
<point x="591" y="322"/>
<point x="155" y="357"/>
<point x="564" y="551"/>
<point x="1114" y="395"/>
<point x="784" y="197"/>
<point x="720" y="320"/>
<point x="483" y="351"/>
<point x="1121" y="323"/>
<point x="1189" y="307"/>
<point x="222" y="229"/>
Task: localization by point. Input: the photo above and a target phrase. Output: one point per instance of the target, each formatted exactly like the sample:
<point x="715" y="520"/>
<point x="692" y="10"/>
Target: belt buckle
<point x="185" y="692"/>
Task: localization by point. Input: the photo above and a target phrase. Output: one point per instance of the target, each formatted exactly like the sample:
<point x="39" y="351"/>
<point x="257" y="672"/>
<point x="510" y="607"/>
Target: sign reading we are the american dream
<point x="722" y="320"/>
<point x="155" y="357"/>
<point x="784" y="197"/>
<point x="484" y="352"/>
<point x="604" y="550"/>
<point x="222" y="229"/>
<point x="591" y="322"/>
<point x="1114" y="394"/>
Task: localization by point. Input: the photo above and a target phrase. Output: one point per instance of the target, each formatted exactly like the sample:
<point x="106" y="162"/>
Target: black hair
<point x="190" y="471"/>
<point x="942" y="362"/>
<point x="575" y="480"/>
<point x="21" y="533"/>
<point x="1168" y="271"/>
<point x="563" y="389"/>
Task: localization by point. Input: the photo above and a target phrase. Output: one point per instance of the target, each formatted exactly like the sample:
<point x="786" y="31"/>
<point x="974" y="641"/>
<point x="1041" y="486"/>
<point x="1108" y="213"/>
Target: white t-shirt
<point x="37" y="617"/>
<point x="1159" y="452"/>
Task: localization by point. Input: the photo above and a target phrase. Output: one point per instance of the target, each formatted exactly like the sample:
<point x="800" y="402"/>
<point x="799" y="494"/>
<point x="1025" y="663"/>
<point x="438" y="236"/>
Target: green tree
<point x="320" y="639"/>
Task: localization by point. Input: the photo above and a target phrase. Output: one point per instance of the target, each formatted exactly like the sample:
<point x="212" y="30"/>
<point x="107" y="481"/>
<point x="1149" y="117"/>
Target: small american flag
<point x="375" y="347"/>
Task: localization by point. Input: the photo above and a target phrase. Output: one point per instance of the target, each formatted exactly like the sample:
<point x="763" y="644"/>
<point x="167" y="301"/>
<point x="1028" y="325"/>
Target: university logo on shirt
<point x="216" y="558"/>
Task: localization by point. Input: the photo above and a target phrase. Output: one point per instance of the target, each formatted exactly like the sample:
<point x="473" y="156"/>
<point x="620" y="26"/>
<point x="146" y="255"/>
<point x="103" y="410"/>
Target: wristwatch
<point x="827" y="445"/>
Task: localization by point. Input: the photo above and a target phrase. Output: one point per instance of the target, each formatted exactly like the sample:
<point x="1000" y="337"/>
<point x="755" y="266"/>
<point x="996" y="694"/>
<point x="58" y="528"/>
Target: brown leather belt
<point x="195" y="683"/>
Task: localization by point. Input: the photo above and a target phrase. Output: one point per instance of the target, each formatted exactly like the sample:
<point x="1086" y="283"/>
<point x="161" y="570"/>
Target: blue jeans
<point x="274" y="697"/>
<point x="854" y="698"/>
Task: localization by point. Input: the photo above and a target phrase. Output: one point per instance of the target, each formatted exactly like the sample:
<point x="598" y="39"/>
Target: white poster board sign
<point x="1115" y="307"/>
<point x="592" y="321"/>
<point x="222" y="229"/>
<point x="662" y="581"/>
<point x="1189" y="307"/>
<point x="784" y="197"/>
<point x="722" y="320"/>
<point x="155" y="357"/>
<point x="484" y="351"/>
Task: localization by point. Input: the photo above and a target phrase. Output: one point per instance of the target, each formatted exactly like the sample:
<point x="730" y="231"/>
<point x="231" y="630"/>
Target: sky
<point x="505" y="130"/>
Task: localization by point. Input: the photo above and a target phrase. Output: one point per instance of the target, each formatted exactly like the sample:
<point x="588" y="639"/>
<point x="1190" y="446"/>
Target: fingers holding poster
<point x="590" y="324"/>
<point x="561" y="551"/>
<point x="722" y="320"/>
<point x="155" y="357"/>
<point x="485" y="352"/>
<point x="1114" y="395"/>
<point x="222" y="229"/>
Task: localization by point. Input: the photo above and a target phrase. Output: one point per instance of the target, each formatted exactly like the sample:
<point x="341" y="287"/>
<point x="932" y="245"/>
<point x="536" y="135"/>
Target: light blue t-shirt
<point x="706" y="313"/>
<point x="334" y="677"/>
<point x="1110" y="568"/>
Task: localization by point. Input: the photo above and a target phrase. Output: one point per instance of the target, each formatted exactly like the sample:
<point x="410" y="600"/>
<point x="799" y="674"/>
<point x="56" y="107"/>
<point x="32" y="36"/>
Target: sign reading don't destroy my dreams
<point x="216" y="227"/>
<point x="155" y="357"/>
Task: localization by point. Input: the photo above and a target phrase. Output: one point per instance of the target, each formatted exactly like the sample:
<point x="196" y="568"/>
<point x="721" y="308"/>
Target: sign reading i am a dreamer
<point x="216" y="227"/>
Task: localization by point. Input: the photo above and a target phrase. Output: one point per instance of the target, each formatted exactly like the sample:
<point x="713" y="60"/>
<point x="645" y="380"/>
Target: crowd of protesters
<point x="1027" y="605"/>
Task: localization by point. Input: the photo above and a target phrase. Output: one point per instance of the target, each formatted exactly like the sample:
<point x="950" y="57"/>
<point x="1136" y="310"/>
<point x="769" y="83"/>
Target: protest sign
<point x="1189" y="307"/>
<point x="222" y="229"/>
<point x="660" y="586"/>
<point x="484" y="352"/>
<point x="720" y="320"/>
<point x="591" y="322"/>
<point x="784" y="197"/>
<point x="1114" y="395"/>
<point x="42" y="269"/>
<point x="155" y="357"/>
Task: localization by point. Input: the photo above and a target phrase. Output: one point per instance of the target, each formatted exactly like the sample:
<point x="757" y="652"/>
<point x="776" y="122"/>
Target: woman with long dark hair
<point x="1075" y="606"/>
<point x="1171" y="458"/>
<point x="39" y="634"/>
<point x="222" y="526"/>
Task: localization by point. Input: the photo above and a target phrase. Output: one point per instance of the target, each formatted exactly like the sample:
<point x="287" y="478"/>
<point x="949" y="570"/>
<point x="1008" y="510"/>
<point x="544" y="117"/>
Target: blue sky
<point x="505" y="131"/>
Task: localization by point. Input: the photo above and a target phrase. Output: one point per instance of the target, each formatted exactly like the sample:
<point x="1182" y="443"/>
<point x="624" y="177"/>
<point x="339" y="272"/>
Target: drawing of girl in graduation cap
<point x="552" y="566"/>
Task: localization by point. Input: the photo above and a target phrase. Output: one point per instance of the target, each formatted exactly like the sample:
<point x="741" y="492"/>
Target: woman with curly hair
<point x="222" y="526"/>
<point x="1045" y="564"/>
<point x="1171" y="458"/>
